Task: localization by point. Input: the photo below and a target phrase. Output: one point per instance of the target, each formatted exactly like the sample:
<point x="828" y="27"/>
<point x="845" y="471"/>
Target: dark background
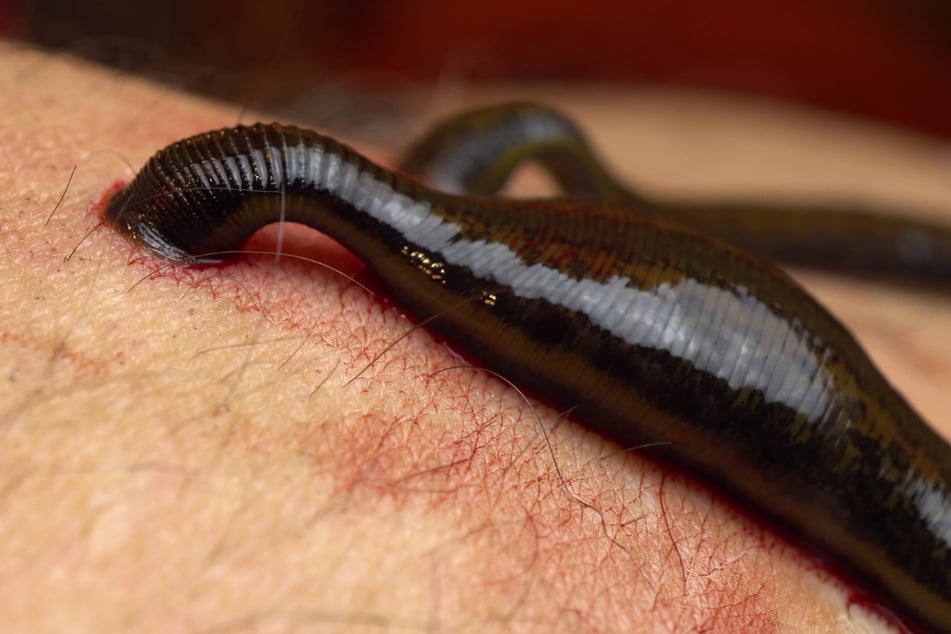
<point x="888" y="60"/>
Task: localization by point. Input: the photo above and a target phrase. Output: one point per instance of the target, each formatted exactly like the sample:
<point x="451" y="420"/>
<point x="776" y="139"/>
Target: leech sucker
<point x="647" y="332"/>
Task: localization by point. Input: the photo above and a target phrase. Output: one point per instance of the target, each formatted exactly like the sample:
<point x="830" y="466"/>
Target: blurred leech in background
<point x="884" y="59"/>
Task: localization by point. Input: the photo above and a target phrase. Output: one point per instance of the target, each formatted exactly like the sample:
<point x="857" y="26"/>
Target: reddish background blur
<point x="886" y="59"/>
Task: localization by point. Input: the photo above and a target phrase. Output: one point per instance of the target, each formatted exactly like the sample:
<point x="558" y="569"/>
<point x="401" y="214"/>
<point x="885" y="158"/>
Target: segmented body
<point x="644" y="331"/>
<point x="476" y="152"/>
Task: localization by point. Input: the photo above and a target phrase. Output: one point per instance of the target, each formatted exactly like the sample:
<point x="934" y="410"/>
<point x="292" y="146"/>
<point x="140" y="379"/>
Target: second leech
<point x="476" y="152"/>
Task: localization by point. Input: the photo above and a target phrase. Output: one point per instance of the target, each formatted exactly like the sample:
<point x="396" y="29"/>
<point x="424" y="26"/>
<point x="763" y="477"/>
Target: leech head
<point x="183" y="204"/>
<point x="210" y="193"/>
<point x="151" y="238"/>
<point x="130" y="216"/>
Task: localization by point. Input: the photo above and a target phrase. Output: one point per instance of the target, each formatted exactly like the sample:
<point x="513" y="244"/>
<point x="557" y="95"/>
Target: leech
<point x="478" y="151"/>
<point x="651" y="332"/>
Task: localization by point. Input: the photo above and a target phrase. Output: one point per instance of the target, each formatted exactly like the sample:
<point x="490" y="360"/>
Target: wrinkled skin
<point x="184" y="449"/>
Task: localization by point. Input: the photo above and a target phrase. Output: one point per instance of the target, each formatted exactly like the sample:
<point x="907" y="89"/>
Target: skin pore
<point x="223" y="448"/>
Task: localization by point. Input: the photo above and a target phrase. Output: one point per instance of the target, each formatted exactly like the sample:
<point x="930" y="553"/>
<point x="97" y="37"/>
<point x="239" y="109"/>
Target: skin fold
<point x="643" y="330"/>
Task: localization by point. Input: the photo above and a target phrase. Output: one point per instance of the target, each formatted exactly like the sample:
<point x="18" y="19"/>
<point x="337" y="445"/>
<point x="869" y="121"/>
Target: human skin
<point x="256" y="446"/>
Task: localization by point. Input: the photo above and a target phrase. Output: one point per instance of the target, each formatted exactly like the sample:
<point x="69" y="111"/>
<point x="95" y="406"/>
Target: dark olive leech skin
<point x="645" y="331"/>
<point x="476" y="152"/>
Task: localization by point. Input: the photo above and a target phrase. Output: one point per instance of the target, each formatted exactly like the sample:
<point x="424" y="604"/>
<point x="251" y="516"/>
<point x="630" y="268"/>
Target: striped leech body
<point x="476" y="152"/>
<point x="647" y="332"/>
